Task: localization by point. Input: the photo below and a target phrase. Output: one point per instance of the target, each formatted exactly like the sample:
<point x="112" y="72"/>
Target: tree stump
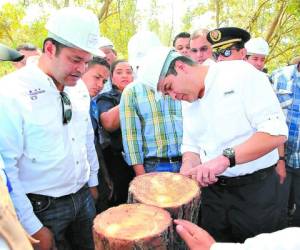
<point x="174" y="192"/>
<point x="133" y="226"/>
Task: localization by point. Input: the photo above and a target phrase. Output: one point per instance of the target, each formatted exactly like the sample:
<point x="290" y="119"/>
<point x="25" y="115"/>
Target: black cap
<point x="8" y="54"/>
<point x="226" y="37"/>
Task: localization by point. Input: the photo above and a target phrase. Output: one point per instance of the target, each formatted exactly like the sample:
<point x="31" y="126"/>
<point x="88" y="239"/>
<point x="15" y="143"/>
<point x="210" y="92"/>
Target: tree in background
<point x="277" y="21"/>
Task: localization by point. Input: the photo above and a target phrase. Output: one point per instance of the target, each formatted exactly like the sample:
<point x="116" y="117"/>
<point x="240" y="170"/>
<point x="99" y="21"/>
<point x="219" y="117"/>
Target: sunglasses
<point x="224" y="52"/>
<point x="66" y="107"/>
<point x="201" y="49"/>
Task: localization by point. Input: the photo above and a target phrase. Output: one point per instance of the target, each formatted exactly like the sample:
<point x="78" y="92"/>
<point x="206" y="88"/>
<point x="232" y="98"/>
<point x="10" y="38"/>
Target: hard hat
<point x="105" y="42"/>
<point x="155" y="65"/>
<point x="257" y="46"/>
<point x="75" y="27"/>
<point x="138" y="46"/>
<point x="8" y="54"/>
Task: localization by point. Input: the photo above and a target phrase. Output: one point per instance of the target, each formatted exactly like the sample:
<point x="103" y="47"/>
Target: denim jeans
<point x="154" y="166"/>
<point x="70" y="218"/>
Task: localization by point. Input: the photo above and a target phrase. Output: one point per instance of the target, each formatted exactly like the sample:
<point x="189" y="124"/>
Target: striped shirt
<point x="150" y="128"/>
<point x="287" y="86"/>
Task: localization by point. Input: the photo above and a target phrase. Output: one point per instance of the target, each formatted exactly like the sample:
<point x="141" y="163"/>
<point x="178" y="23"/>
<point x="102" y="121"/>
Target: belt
<point x="245" y="179"/>
<point x="46" y="197"/>
<point x="164" y="159"/>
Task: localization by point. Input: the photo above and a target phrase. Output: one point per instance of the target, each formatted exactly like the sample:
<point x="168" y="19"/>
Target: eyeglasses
<point x="201" y="49"/>
<point x="66" y="107"/>
<point x="224" y="52"/>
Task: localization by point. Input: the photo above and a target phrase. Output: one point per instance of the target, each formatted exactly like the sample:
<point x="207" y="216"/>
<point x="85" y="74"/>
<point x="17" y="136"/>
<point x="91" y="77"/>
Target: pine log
<point x="174" y="192"/>
<point x="133" y="227"/>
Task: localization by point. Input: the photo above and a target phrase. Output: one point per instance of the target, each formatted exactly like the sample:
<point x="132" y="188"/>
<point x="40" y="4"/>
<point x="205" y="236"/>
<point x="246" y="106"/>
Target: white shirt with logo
<point x="41" y="155"/>
<point x="238" y="102"/>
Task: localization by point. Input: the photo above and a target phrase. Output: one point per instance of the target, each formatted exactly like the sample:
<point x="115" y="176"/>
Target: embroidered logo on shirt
<point x="34" y="93"/>
<point x="230" y="92"/>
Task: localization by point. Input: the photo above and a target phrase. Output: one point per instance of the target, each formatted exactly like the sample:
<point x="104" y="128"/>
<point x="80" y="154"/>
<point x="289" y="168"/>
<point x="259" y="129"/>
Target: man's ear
<point x="50" y="49"/>
<point x="244" y="53"/>
<point x="180" y="66"/>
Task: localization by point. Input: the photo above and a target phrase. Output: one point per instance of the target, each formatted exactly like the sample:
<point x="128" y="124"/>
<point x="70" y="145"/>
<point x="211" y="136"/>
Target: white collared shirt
<point x="41" y="155"/>
<point x="238" y="102"/>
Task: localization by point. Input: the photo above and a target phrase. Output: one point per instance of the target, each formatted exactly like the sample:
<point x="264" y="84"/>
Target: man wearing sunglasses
<point x="231" y="131"/>
<point x="201" y="50"/>
<point x="46" y="136"/>
<point x="228" y="43"/>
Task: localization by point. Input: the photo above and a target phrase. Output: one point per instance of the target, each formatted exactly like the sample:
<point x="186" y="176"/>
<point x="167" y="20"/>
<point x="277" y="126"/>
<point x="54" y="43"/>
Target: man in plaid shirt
<point x="286" y="82"/>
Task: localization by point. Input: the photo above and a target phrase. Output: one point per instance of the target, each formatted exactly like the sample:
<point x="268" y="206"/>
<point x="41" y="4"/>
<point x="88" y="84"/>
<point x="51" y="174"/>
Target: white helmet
<point x="155" y="65"/>
<point x="105" y="42"/>
<point x="75" y="27"/>
<point x="139" y="44"/>
<point x="257" y="46"/>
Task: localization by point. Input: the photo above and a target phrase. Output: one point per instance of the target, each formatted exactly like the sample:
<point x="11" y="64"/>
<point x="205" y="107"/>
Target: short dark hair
<point x="59" y="46"/>
<point x="26" y="46"/>
<point x="181" y="35"/>
<point x="115" y="63"/>
<point x="98" y="61"/>
<point x="184" y="59"/>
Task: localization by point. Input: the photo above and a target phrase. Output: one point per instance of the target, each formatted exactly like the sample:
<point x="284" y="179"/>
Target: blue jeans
<point x="70" y="218"/>
<point x="154" y="166"/>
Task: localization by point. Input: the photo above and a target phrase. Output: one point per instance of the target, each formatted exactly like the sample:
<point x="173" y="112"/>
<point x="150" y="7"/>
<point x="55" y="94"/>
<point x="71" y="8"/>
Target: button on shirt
<point x="41" y="155"/>
<point x="287" y="86"/>
<point x="238" y="102"/>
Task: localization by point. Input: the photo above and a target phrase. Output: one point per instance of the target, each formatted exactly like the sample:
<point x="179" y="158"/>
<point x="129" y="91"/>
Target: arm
<point x="11" y="148"/>
<point x="110" y="120"/>
<point x="280" y="168"/>
<point x="92" y="160"/>
<point x="131" y="130"/>
<point x="189" y="160"/>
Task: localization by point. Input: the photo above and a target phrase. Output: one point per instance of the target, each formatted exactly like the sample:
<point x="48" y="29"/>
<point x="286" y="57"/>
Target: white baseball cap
<point x="257" y="46"/>
<point x="75" y="27"/>
<point x="138" y="46"/>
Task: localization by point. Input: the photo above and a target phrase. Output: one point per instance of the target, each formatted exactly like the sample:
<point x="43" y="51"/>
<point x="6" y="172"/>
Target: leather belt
<point x="46" y="197"/>
<point x="164" y="159"/>
<point x="245" y="179"/>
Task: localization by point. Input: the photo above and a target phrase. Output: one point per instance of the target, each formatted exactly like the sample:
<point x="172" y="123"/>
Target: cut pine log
<point x="133" y="226"/>
<point x="174" y="192"/>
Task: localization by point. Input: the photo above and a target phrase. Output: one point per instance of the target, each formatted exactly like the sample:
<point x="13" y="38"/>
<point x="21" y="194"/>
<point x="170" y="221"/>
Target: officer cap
<point x="223" y="38"/>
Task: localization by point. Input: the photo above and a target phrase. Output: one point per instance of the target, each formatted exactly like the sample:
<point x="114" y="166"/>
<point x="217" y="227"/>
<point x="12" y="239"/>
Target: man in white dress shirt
<point x="46" y="136"/>
<point x="230" y="135"/>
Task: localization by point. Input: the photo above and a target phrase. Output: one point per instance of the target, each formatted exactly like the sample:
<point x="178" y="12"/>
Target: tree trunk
<point x="176" y="193"/>
<point x="133" y="227"/>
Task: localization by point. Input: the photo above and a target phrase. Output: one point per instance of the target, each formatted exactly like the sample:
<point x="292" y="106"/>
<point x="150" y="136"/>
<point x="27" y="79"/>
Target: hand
<point x="195" y="237"/>
<point x="207" y="172"/>
<point x="45" y="238"/>
<point x="186" y="167"/>
<point x="94" y="193"/>
<point x="281" y="171"/>
<point x="139" y="169"/>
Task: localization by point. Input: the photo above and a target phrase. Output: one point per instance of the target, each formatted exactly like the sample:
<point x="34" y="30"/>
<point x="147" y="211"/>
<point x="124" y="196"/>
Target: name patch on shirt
<point x="33" y="94"/>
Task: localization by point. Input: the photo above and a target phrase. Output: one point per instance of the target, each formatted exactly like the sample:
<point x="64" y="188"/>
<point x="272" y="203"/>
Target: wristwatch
<point x="281" y="158"/>
<point x="230" y="154"/>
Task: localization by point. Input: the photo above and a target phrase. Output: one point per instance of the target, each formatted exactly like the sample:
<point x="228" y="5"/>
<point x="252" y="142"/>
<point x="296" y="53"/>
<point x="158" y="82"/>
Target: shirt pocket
<point x="43" y="127"/>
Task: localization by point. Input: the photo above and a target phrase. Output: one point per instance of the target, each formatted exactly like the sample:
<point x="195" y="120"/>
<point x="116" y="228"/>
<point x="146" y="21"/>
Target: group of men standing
<point x="225" y="117"/>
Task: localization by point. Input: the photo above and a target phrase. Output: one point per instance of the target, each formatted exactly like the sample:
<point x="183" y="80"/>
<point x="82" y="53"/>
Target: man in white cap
<point x="257" y="51"/>
<point x="151" y="129"/>
<point x="46" y="136"/>
<point x="229" y="144"/>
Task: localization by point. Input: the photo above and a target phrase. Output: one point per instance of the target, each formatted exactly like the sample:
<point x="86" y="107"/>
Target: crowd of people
<point x="78" y="124"/>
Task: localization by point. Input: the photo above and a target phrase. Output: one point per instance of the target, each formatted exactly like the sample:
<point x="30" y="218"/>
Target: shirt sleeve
<point x="262" y="106"/>
<point x="104" y="103"/>
<point x="92" y="155"/>
<point x="11" y="149"/>
<point x="131" y="128"/>
<point x="283" y="239"/>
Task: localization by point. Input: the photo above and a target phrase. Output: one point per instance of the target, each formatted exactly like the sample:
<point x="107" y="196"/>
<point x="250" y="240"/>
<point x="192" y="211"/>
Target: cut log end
<point x="132" y="226"/>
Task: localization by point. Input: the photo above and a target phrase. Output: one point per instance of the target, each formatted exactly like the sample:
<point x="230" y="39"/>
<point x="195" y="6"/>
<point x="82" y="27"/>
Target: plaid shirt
<point x="287" y="86"/>
<point x="150" y="128"/>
